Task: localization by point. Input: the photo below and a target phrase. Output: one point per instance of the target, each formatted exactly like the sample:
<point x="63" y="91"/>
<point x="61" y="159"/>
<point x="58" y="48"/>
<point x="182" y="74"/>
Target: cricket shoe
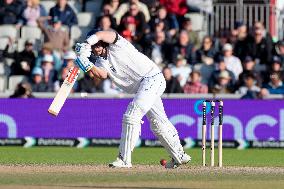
<point x="173" y="164"/>
<point x="120" y="164"/>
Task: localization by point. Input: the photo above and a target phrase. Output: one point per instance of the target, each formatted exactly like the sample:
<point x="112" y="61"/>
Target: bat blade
<point x="64" y="91"/>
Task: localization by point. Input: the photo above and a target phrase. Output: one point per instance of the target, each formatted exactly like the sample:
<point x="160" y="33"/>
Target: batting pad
<point x="131" y="128"/>
<point x="168" y="136"/>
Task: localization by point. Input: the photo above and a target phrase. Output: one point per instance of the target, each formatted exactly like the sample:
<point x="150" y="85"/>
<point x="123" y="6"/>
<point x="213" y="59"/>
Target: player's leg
<point x="131" y="127"/>
<point x="150" y="89"/>
<point x="167" y="134"/>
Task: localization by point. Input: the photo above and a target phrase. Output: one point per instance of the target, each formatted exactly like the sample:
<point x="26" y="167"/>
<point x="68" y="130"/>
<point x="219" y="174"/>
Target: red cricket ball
<point x="163" y="162"/>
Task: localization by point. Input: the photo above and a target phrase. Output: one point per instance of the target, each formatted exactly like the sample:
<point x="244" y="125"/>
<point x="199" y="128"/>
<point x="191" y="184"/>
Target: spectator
<point x="233" y="38"/>
<point x="279" y="47"/>
<point x="176" y="7"/>
<point x="275" y="85"/>
<point x="193" y="35"/>
<point x="221" y="37"/>
<point x="207" y="52"/>
<point x="276" y="66"/>
<point x="23" y="90"/>
<point x="37" y="83"/>
<point x="10" y="11"/>
<point x="136" y="17"/>
<point x="106" y="13"/>
<point x="249" y="90"/>
<point x="223" y="85"/>
<point x="152" y="5"/>
<point x="249" y="68"/>
<point x="181" y="70"/>
<point x="194" y="85"/>
<point x="63" y="12"/>
<point x="161" y="26"/>
<point x="129" y="33"/>
<point x="32" y="12"/>
<point x="184" y="47"/>
<point x="89" y="85"/>
<point x="172" y="84"/>
<point x="47" y="49"/>
<point x="170" y="21"/>
<point x="125" y="7"/>
<point x="69" y="59"/>
<point x="49" y="73"/>
<point x="214" y="78"/>
<point x="232" y="63"/>
<point x="24" y="61"/>
<point x="262" y="47"/>
<point x="158" y="49"/>
<point x="54" y="34"/>
<point x="111" y="7"/>
<point x="243" y="46"/>
<point x="105" y="23"/>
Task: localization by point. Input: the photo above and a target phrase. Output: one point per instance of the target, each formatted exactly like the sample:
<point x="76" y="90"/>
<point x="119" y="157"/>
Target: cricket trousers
<point x="147" y="101"/>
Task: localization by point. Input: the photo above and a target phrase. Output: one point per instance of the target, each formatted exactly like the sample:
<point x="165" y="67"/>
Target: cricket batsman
<point x="134" y="73"/>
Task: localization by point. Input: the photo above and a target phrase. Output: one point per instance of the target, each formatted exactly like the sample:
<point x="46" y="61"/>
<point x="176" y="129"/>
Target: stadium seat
<point x="75" y="5"/>
<point x="9" y="61"/>
<point x="2" y="68"/>
<point x="8" y="31"/>
<point x="75" y="32"/>
<point x="15" y="80"/>
<point x="85" y="19"/>
<point x="28" y="32"/>
<point x="47" y="4"/>
<point x="197" y="21"/>
<point x="79" y="33"/>
<point x="3" y="42"/>
<point x="21" y="44"/>
<point x="94" y="7"/>
<point x="5" y="70"/>
<point x="3" y="83"/>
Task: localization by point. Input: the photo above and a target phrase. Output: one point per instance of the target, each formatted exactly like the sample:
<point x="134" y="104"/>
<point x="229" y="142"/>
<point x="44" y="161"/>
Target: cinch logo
<point x="11" y="125"/>
<point x="251" y="129"/>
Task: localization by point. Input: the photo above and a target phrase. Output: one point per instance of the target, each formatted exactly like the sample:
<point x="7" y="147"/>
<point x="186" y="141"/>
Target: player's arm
<point x="108" y="36"/>
<point x="98" y="72"/>
<point x="87" y="66"/>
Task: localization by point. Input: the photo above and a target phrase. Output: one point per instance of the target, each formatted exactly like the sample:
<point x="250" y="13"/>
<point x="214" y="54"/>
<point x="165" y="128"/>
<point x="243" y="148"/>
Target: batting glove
<point x="83" y="49"/>
<point x="84" y="63"/>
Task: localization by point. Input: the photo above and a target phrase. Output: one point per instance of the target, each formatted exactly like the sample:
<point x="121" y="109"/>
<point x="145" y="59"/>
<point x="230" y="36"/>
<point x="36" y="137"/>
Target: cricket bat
<point x="64" y="91"/>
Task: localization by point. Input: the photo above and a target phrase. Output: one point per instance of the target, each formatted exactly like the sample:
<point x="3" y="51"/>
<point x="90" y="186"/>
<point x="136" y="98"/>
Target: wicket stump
<point x="212" y="143"/>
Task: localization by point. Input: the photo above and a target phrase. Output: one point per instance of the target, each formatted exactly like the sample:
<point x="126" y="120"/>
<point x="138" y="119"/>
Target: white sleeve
<point x="121" y="43"/>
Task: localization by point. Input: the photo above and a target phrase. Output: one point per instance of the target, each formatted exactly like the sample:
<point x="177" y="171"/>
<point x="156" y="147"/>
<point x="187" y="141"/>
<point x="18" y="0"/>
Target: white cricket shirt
<point x="125" y="65"/>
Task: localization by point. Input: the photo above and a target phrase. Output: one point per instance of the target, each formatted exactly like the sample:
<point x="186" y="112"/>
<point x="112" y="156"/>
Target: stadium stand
<point x="9" y="31"/>
<point x="14" y="80"/>
<point x="86" y="19"/>
<point x="160" y="38"/>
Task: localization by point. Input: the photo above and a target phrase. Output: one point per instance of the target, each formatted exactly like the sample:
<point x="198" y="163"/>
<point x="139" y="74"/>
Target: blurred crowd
<point x="244" y="60"/>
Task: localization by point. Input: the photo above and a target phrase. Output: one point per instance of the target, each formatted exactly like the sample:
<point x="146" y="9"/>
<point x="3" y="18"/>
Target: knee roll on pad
<point x="168" y="136"/>
<point x="131" y="127"/>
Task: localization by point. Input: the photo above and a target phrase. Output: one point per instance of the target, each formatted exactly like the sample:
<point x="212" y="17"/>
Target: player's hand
<point x="83" y="49"/>
<point x="84" y="63"/>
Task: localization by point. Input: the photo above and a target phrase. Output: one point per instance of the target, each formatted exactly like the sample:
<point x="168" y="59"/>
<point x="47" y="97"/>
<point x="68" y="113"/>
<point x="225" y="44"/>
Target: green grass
<point x="102" y="155"/>
<point x="135" y="179"/>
